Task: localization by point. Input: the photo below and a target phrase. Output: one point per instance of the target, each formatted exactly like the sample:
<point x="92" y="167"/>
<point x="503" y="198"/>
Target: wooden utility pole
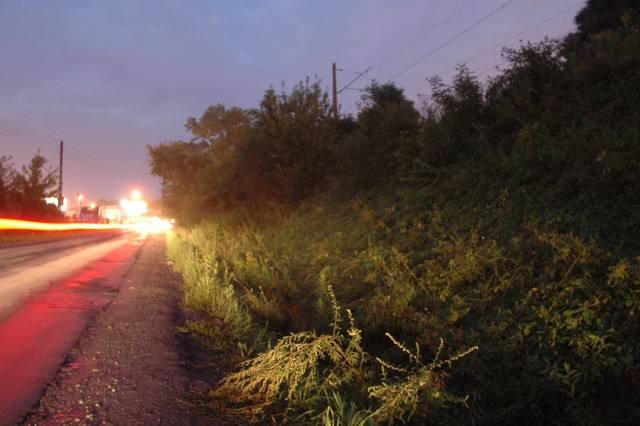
<point x="335" y="93"/>
<point x="60" y="197"/>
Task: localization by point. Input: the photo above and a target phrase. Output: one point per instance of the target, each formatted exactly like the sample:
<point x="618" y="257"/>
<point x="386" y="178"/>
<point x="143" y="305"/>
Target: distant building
<point x="113" y="214"/>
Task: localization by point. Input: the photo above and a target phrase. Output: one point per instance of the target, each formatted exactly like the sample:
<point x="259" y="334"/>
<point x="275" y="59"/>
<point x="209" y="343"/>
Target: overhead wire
<point x="503" y="42"/>
<point x="497" y="66"/>
<point x="492" y="13"/>
<point x="402" y="49"/>
<point x="464" y="31"/>
<point x="21" y="133"/>
<point x="452" y="39"/>
<point x="354" y="80"/>
<point x="17" y="131"/>
<point x="351" y="72"/>
<point x="424" y="34"/>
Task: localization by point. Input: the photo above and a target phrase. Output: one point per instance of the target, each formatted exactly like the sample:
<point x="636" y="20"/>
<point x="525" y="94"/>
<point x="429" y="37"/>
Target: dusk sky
<point x="110" y="77"/>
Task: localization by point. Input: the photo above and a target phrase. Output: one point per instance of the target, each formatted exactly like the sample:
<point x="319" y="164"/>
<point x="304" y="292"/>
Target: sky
<point x="109" y="78"/>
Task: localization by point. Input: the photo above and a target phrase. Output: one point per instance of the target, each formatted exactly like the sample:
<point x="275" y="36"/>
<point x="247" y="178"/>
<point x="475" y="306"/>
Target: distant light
<point x="41" y="226"/>
<point x="153" y="225"/>
<point x="54" y="201"/>
<point x="136" y="194"/>
<point x="133" y="208"/>
<point x="147" y="226"/>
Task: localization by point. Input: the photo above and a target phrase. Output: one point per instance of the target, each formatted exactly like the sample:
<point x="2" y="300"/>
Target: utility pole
<point x="60" y="197"/>
<point x="335" y="87"/>
<point x="335" y="93"/>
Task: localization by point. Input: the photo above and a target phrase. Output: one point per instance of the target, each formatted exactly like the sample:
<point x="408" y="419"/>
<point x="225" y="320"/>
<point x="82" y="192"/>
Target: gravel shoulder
<point x="131" y="366"/>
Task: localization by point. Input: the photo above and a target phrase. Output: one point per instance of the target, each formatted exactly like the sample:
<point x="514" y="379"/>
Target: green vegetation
<point x="503" y="218"/>
<point x="23" y="193"/>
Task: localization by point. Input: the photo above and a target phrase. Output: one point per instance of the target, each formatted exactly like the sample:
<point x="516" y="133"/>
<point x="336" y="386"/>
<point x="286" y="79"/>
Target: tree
<point x="291" y="148"/>
<point x="385" y="143"/>
<point x="6" y="178"/>
<point x="178" y="164"/>
<point x="219" y="125"/>
<point x="530" y="89"/>
<point x="225" y="131"/>
<point x="601" y="15"/>
<point x="33" y="185"/>
<point x="454" y="120"/>
<point x="387" y="117"/>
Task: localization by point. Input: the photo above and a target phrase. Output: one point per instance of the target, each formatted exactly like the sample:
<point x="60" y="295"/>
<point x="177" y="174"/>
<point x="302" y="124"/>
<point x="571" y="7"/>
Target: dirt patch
<point x="131" y="366"/>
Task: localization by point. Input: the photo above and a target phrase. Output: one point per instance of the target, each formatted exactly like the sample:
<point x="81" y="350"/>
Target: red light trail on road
<point x="155" y="225"/>
<point x="36" y="339"/>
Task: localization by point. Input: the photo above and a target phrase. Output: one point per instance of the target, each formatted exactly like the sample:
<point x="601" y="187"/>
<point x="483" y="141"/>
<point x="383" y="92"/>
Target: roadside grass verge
<point x="552" y="308"/>
<point x="295" y="309"/>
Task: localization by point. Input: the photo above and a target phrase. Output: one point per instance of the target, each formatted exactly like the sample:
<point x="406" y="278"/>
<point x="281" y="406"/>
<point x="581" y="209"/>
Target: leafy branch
<point x="422" y="388"/>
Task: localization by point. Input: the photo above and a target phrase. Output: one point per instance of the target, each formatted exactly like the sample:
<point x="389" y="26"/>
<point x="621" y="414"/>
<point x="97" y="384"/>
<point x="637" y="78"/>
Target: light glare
<point x="150" y="225"/>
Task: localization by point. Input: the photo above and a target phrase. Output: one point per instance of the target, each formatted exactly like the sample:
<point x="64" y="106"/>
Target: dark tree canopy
<point x="522" y="123"/>
<point x="283" y="152"/>
<point x="600" y="15"/>
<point x="506" y="215"/>
<point x="23" y="192"/>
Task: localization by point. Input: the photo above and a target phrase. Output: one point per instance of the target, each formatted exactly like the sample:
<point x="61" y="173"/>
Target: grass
<point x="466" y="260"/>
<point x="523" y="242"/>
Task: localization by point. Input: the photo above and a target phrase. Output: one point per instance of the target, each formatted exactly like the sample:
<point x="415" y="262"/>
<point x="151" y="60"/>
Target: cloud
<point x="124" y="73"/>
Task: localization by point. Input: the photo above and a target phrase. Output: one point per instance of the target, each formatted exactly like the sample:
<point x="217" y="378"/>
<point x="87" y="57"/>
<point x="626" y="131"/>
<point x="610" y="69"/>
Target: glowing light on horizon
<point x="46" y="226"/>
<point x="153" y="225"/>
<point x="54" y="201"/>
<point x="135" y="206"/>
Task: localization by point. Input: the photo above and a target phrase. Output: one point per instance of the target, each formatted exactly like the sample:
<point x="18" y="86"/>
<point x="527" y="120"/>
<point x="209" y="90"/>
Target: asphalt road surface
<point x="101" y="346"/>
<point x="49" y="292"/>
<point x="29" y="267"/>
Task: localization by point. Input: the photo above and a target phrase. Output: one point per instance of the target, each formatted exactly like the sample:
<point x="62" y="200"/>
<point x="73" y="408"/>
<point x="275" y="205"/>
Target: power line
<point x="475" y="24"/>
<point x="464" y="31"/>
<point x="24" y="134"/>
<point x="564" y="11"/>
<point x="426" y="33"/>
<point x="421" y="36"/>
<point x="354" y="80"/>
<point x="19" y="132"/>
<point x="502" y="43"/>
<point x="403" y="48"/>
<point x="350" y="72"/>
<point x="414" y="41"/>
<point x="504" y="62"/>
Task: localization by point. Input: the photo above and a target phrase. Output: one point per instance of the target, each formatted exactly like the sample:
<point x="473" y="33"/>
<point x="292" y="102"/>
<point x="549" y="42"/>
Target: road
<point x="49" y="291"/>
<point x="29" y="267"/>
<point x="131" y="366"/>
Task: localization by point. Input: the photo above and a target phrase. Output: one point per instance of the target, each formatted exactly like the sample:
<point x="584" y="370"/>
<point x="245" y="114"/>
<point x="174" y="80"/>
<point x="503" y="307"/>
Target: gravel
<point x="131" y="366"/>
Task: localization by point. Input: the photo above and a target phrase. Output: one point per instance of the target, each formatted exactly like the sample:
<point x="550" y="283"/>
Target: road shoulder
<point x="130" y="366"/>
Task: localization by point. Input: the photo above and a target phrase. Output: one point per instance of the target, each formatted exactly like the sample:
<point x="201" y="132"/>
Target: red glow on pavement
<point x="35" y="340"/>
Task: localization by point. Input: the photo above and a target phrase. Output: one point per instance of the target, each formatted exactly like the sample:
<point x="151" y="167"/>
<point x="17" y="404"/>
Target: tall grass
<point x="295" y="280"/>
<point x="552" y="312"/>
<point x="518" y="236"/>
<point x="208" y="280"/>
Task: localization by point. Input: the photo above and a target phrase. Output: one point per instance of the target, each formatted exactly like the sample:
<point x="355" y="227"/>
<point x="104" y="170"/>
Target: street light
<point x="134" y="207"/>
